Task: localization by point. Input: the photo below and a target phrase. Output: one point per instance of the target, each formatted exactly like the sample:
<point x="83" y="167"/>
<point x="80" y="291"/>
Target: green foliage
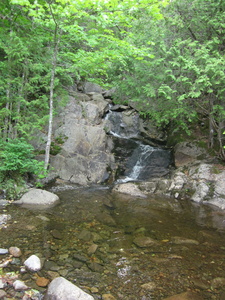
<point x="16" y="164"/>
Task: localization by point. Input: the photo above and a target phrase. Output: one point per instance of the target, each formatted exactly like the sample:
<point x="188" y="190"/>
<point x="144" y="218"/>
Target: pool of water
<point x="132" y="248"/>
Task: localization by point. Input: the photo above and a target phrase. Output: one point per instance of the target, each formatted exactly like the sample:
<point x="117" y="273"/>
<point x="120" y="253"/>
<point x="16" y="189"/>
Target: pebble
<point x="144" y="241"/>
<point x="94" y="290"/>
<point x="19" y="285"/>
<point x="108" y="297"/>
<point x="42" y="281"/>
<point x="3" y="251"/>
<point x="149" y="286"/>
<point x="15" y="251"/>
<point x="33" y="263"/>
<point x="92" y="249"/>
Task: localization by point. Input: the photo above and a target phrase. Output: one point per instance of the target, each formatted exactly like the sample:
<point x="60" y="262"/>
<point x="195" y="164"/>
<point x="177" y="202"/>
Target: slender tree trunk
<point x="56" y="42"/>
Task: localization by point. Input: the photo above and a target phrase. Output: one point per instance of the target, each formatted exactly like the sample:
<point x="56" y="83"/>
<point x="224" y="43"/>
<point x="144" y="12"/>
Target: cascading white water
<point x="144" y="153"/>
<point x="136" y="160"/>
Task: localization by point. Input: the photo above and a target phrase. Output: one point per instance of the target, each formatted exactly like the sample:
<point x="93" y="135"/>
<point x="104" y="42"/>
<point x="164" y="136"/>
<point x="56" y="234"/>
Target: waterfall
<point x="136" y="160"/>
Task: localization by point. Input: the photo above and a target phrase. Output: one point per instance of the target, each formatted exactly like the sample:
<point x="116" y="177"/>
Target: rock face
<point x="38" y="198"/>
<point x="186" y="153"/>
<point x="85" y="149"/>
<point x="62" y="289"/>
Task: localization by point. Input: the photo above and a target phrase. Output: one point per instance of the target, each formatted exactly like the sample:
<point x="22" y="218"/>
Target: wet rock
<point x="85" y="235"/>
<point x="38" y="198"/>
<point x="108" y="297"/>
<point x="144" y="241"/>
<point x="19" y="285"/>
<point x="33" y="263"/>
<point x="15" y="261"/>
<point x="201" y="284"/>
<point x="183" y="241"/>
<point x="42" y="281"/>
<point x="62" y="289"/>
<point x="149" y="286"/>
<point x="185" y="296"/>
<point x="80" y="257"/>
<point x="130" y="189"/>
<point x="94" y="290"/>
<point x="2" y="294"/>
<point x="56" y="234"/>
<point x="4" y="219"/>
<point x="52" y="275"/>
<point x="3" y="251"/>
<point x="106" y="219"/>
<point x="3" y="202"/>
<point x="15" y="251"/>
<point x="92" y="249"/>
<point x="218" y="282"/>
<point x="95" y="267"/>
<point x="51" y="265"/>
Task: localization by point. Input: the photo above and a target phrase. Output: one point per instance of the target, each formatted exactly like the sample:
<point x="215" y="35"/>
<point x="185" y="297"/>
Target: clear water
<point x="87" y="218"/>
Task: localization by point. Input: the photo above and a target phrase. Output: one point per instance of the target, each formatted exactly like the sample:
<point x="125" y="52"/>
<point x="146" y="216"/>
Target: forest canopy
<point x="164" y="57"/>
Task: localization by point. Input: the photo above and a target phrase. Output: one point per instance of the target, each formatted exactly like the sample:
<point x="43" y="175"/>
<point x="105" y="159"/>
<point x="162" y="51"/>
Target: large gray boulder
<point x="185" y="153"/>
<point x="85" y="155"/>
<point x="38" y="198"/>
<point x="62" y="289"/>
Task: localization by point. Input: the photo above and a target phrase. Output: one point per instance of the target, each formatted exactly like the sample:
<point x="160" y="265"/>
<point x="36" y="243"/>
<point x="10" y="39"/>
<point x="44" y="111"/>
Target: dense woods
<point x="164" y="57"/>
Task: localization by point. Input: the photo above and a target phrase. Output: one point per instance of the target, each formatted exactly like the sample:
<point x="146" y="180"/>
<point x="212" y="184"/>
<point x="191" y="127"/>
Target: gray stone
<point x="90" y="87"/>
<point x="201" y="192"/>
<point x="19" y="285"/>
<point x="4" y="219"/>
<point x="186" y="153"/>
<point x="38" y="198"/>
<point x="3" y="202"/>
<point x="144" y="242"/>
<point x="183" y="241"/>
<point x="3" y="251"/>
<point x="62" y="289"/>
<point x="33" y="263"/>
<point x="130" y="189"/>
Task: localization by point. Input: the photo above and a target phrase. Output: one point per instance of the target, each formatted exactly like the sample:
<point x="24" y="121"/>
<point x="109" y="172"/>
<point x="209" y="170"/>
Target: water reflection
<point x="89" y="238"/>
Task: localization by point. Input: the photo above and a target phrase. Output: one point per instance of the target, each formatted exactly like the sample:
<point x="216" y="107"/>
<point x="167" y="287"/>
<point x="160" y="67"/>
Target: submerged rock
<point x="144" y="241"/>
<point x="185" y="296"/>
<point x="38" y="198"/>
<point x="62" y="289"/>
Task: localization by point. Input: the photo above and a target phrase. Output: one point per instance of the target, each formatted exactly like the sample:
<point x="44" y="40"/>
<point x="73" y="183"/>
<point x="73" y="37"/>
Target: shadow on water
<point x="130" y="247"/>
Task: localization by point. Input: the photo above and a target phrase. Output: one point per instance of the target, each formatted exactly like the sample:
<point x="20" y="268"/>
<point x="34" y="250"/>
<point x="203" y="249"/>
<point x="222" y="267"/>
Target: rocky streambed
<point x="115" y="246"/>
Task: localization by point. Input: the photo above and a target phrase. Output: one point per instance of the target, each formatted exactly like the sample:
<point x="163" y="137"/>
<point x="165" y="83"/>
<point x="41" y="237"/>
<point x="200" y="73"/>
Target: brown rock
<point x="108" y="297"/>
<point x="185" y="296"/>
<point x="42" y="281"/>
<point x="14" y="251"/>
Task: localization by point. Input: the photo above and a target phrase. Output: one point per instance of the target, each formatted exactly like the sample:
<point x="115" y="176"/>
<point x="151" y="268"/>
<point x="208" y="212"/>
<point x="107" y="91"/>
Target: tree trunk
<point x="56" y="42"/>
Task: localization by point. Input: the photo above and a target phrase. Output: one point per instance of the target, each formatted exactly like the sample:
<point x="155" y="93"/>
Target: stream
<point x="98" y="239"/>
